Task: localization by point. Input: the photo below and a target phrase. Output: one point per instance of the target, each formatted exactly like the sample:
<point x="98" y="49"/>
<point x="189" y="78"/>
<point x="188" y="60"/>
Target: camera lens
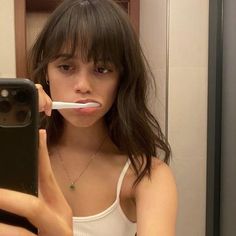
<point x="5" y="106"/>
<point x="22" y="97"/>
<point x="22" y="116"/>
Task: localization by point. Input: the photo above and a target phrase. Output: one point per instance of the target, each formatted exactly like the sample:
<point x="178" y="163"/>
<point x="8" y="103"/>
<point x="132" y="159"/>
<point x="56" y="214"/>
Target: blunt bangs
<point x="88" y="30"/>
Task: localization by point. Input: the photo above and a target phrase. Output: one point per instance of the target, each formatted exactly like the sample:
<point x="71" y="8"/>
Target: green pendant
<point x="72" y="186"/>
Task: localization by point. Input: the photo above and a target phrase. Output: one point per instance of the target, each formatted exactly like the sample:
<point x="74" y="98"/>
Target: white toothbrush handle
<point x="65" y="105"/>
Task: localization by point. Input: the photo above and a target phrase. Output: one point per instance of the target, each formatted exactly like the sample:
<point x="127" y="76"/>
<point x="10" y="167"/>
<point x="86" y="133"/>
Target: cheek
<point x="55" y="86"/>
<point x="54" y="90"/>
<point x="111" y="93"/>
<point x="57" y="90"/>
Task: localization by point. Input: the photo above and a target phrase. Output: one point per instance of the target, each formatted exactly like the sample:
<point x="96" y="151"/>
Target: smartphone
<point x="18" y="142"/>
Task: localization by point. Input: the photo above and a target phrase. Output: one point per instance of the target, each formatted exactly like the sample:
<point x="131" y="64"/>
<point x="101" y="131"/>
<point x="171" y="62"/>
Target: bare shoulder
<point x="160" y="185"/>
<point x="156" y="201"/>
<point x="161" y="171"/>
<point x="161" y="175"/>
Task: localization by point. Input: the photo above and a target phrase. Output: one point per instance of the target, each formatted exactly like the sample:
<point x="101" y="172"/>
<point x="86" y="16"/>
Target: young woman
<point x="104" y="167"/>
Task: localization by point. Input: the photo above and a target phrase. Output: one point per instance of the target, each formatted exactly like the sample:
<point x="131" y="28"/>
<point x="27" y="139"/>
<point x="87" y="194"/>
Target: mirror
<point x="176" y="46"/>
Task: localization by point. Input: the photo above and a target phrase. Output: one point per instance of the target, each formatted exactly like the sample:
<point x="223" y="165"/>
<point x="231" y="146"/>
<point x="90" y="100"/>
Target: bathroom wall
<point x="153" y="38"/>
<point x="187" y="109"/>
<point x="7" y="39"/>
<point x="180" y="28"/>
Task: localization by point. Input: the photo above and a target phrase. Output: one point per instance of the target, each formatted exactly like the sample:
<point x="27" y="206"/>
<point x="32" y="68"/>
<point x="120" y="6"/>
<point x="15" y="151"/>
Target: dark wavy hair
<point x="101" y="30"/>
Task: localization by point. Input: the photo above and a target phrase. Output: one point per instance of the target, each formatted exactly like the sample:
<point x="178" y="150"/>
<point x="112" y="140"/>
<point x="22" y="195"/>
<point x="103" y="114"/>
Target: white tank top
<point x="111" y="221"/>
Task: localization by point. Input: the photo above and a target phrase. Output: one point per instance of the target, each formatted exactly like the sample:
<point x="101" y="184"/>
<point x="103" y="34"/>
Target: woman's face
<point x="72" y="80"/>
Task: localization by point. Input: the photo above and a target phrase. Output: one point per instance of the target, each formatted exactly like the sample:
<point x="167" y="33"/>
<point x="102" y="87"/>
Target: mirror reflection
<point x="175" y="46"/>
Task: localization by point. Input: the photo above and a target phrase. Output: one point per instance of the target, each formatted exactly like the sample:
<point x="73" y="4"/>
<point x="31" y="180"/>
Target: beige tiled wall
<point x="7" y="39"/>
<point x="182" y="106"/>
<point x="187" y="113"/>
<point x="153" y="40"/>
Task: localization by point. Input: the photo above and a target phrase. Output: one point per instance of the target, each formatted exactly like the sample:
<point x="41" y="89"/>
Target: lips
<point x="87" y="101"/>
<point x="87" y="110"/>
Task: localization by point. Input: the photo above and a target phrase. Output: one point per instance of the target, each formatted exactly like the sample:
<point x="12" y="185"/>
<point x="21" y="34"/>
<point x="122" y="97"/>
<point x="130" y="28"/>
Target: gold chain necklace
<point x="92" y="157"/>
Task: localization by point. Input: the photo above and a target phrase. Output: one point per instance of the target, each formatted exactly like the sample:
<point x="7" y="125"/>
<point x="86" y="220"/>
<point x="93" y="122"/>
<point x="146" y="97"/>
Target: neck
<point x="83" y="138"/>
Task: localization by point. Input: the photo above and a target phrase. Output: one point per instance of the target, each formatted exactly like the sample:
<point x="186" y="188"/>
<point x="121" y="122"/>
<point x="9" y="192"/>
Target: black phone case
<point x="18" y="154"/>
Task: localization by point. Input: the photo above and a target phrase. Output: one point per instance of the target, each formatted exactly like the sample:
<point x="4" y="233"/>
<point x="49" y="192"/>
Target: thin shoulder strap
<point x="122" y="175"/>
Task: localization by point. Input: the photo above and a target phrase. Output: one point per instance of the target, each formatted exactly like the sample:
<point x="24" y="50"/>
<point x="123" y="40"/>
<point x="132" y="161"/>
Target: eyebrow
<point x="64" y="56"/>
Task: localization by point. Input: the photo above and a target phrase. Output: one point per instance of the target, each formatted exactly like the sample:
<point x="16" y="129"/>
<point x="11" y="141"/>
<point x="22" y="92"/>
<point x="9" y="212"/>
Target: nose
<point x="82" y="82"/>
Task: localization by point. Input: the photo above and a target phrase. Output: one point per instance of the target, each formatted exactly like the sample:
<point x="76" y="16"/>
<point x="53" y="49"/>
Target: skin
<point x="152" y="204"/>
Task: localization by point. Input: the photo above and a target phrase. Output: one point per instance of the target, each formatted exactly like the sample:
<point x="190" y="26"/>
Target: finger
<point x="48" y="106"/>
<point x="45" y="170"/>
<point x="49" y="189"/>
<point x="46" y="176"/>
<point x="45" y="102"/>
<point x="10" y="230"/>
<point x="32" y="208"/>
<point x="21" y="204"/>
<point x="40" y="97"/>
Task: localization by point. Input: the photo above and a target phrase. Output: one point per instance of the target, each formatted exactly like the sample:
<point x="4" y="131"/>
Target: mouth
<point x="85" y="101"/>
<point x="88" y="103"/>
<point x="90" y="106"/>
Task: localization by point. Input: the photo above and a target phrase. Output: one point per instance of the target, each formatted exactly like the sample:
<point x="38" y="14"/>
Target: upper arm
<point x="156" y="202"/>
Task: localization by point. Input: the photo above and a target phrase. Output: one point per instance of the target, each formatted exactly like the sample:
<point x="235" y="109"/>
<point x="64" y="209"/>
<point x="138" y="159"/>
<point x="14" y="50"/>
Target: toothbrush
<point x="65" y="105"/>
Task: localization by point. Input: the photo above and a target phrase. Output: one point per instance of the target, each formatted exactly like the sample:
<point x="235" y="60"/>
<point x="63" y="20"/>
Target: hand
<point x="50" y="213"/>
<point x="45" y="102"/>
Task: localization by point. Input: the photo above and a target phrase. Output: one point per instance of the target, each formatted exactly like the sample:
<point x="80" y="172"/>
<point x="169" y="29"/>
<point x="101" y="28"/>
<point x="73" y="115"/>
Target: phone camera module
<point x="4" y="93"/>
<point x="23" y="116"/>
<point x="22" y="97"/>
<point x="5" y="106"/>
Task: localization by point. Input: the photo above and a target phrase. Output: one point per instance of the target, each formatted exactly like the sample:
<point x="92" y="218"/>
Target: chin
<point x="84" y="122"/>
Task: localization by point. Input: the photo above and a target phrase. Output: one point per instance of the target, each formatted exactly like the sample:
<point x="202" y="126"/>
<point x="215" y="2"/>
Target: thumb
<point x="47" y="181"/>
<point x="49" y="190"/>
<point x="45" y="170"/>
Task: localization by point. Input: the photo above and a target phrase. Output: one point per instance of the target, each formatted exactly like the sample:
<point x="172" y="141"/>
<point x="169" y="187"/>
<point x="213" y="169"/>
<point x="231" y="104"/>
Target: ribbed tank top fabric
<point x="110" y="222"/>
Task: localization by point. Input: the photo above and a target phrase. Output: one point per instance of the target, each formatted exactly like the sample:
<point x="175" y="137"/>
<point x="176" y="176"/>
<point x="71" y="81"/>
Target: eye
<point x="65" y="67"/>
<point x="102" y="70"/>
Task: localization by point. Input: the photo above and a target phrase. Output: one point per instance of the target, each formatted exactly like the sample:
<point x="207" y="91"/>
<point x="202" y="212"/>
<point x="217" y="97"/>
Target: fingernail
<point x="43" y="133"/>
